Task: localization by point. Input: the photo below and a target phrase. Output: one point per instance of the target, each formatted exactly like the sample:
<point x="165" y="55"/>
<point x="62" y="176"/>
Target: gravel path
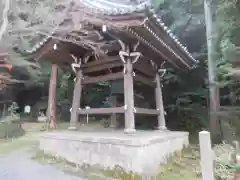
<point x="19" y="166"/>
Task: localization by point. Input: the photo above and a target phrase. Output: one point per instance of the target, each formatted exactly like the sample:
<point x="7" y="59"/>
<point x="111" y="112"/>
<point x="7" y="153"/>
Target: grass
<point x="22" y="140"/>
<point x="25" y="136"/>
<point x="182" y="166"/>
<point x="85" y="170"/>
<point x="10" y="145"/>
<point x="10" y="130"/>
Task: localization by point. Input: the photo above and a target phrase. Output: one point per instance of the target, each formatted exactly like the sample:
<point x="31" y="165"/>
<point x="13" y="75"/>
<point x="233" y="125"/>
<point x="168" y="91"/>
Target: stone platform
<point x="141" y="153"/>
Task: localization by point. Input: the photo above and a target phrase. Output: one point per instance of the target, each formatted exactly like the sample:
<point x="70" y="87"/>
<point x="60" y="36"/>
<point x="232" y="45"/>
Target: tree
<point x="23" y="24"/>
<point x="4" y="17"/>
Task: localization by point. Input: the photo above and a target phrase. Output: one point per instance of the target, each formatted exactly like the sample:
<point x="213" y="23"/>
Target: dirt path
<point x="16" y="162"/>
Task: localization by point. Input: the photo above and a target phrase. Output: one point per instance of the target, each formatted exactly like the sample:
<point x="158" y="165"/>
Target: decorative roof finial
<point x="104" y="28"/>
<point x="54" y="46"/>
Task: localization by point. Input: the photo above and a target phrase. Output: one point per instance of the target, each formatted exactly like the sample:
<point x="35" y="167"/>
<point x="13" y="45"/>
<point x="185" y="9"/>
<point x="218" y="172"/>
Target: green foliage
<point x="65" y="85"/>
<point x="228" y="46"/>
<point x="156" y="3"/>
<point x="185" y="94"/>
<point x="227" y="20"/>
<point x="188" y="103"/>
<point x="13" y="108"/>
<point x="12" y="113"/>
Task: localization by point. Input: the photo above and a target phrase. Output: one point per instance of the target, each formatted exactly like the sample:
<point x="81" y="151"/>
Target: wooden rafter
<point x="145" y="80"/>
<point x="147" y="111"/>
<point x="108" y="77"/>
<point x="101" y="110"/>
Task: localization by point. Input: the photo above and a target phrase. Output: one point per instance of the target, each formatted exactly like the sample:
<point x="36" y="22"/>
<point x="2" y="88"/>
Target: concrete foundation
<point x="141" y="153"/>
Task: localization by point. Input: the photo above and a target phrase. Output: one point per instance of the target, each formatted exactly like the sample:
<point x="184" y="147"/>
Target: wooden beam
<point x="101" y="61"/>
<point x="108" y="77"/>
<point x="44" y="50"/>
<point x="103" y="66"/>
<point x="113" y="123"/>
<point x="144" y="67"/>
<point x="227" y="113"/>
<point x="159" y="103"/>
<point x="147" y="111"/>
<point x="234" y="72"/>
<point x="129" y="97"/>
<point x="51" y="111"/>
<point x="76" y="100"/>
<point x="144" y="80"/>
<point x="229" y="108"/>
<point x="58" y="57"/>
<point x="112" y="46"/>
<point x="110" y="110"/>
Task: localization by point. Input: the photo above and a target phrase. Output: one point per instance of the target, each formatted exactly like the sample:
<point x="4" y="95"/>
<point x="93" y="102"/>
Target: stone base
<point x="72" y="128"/>
<point x="141" y="153"/>
<point x="42" y="119"/>
<point x="130" y="131"/>
<point x="162" y="128"/>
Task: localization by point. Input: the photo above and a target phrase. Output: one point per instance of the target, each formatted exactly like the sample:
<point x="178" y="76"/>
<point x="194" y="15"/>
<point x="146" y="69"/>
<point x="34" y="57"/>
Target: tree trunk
<point x="4" y="24"/>
<point x="52" y="98"/>
<point x="213" y="89"/>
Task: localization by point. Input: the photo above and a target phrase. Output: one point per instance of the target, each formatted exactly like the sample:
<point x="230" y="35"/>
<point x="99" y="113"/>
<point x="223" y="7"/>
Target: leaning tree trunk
<point x="52" y="98"/>
<point x="3" y="26"/>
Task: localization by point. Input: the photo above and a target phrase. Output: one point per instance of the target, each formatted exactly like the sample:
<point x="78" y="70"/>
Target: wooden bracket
<point x="77" y="63"/>
<point x="161" y="66"/>
<point x="124" y="70"/>
<point x="74" y="58"/>
<point x="162" y="71"/>
<point x="153" y="64"/>
<point x="125" y="52"/>
<point x="136" y="46"/>
<point x="86" y="59"/>
<point x="134" y="110"/>
<point x="136" y="55"/>
<point x="74" y="66"/>
<point x="122" y="55"/>
<point x="123" y="47"/>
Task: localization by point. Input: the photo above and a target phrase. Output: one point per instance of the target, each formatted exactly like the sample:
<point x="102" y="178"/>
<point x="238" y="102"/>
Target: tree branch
<point x="4" y="25"/>
<point x="186" y="25"/>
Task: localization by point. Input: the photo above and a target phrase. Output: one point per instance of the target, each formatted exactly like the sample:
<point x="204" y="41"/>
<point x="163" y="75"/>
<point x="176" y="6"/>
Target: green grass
<point x="18" y="138"/>
<point x="10" y="130"/>
<point x="181" y="166"/>
<point x="184" y="165"/>
<point x="26" y="136"/>
<point x="10" y="145"/>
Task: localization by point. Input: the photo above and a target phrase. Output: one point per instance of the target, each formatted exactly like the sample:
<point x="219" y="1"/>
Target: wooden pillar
<point x="51" y="112"/>
<point x="76" y="100"/>
<point x="114" y="115"/>
<point x="129" y="97"/>
<point x="159" y="104"/>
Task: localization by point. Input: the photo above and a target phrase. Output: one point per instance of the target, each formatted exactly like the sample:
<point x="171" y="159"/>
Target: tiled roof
<point x="116" y="7"/>
<point x="126" y="7"/>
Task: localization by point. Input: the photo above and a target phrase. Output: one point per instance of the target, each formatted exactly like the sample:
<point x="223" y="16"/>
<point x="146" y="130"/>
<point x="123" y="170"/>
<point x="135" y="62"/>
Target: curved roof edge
<point x="115" y="7"/>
